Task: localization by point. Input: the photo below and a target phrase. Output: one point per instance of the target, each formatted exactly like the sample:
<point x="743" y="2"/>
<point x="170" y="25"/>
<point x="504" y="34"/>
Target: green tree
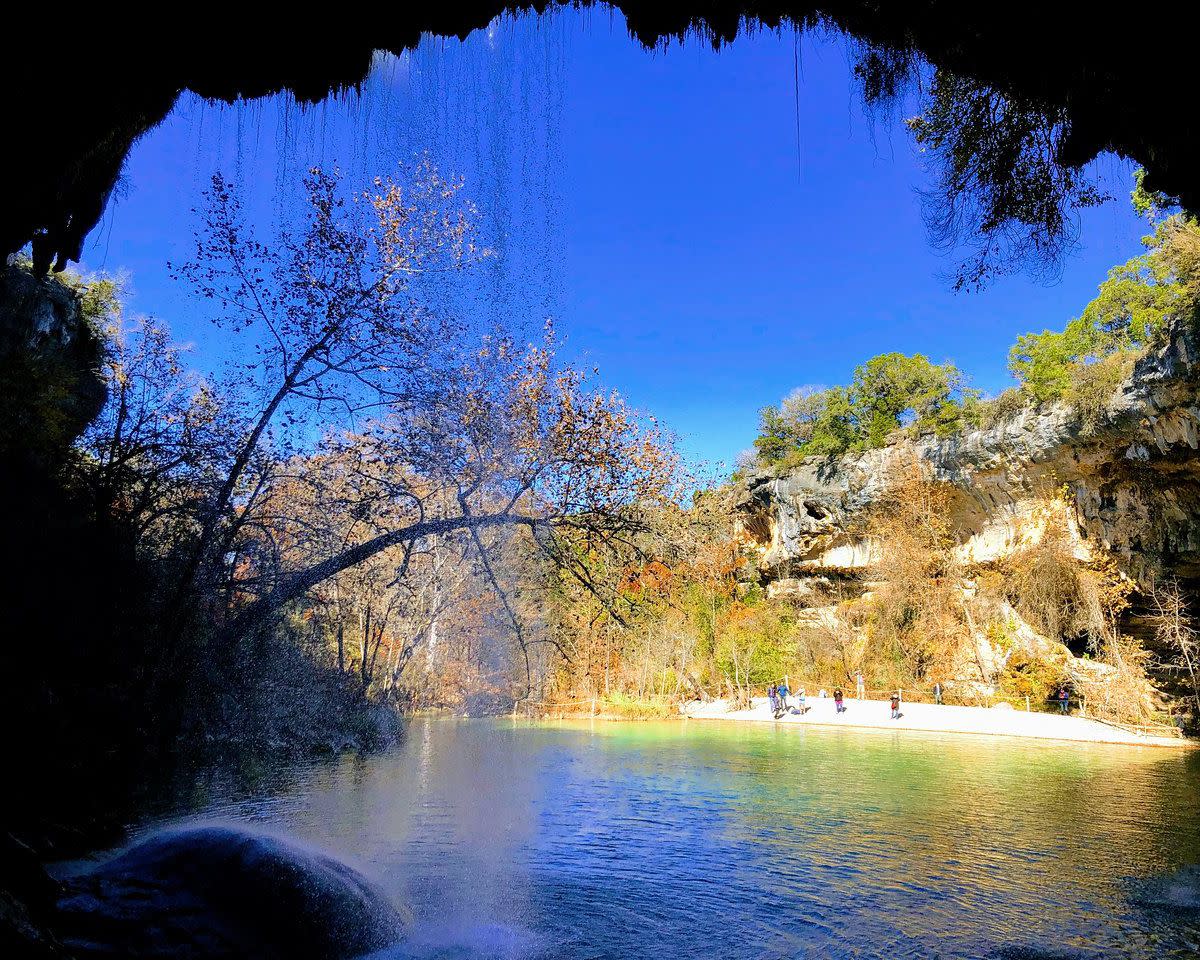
<point x="824" y="420"/>
<point x="774" y="441"/>
<point x="888" y="392"/>
<point x="810" y="422"/>
<point x="1132" y="310"/>
<point x="893" y="390"/>
<point x="1041" y="362"/>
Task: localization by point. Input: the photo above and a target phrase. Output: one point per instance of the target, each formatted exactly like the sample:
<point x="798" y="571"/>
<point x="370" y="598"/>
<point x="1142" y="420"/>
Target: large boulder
<point x="219" y="891"/>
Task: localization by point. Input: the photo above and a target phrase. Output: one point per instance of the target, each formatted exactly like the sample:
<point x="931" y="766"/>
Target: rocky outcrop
<point x="1134" y="479"/>
<point x="51" y="386"/>
<point x="223" y="891"/>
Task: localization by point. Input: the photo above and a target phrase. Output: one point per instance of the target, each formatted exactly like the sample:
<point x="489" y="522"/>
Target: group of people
<point x="778" y="694"/>
<point x="783" y="701"/>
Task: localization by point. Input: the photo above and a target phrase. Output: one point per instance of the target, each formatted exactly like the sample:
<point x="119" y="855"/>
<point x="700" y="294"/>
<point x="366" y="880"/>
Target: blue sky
<point x="656" y="202"/>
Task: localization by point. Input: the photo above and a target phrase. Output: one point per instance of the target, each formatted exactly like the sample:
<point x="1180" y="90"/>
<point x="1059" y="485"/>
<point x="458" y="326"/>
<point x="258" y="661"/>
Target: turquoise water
<point x="742" y="841"/>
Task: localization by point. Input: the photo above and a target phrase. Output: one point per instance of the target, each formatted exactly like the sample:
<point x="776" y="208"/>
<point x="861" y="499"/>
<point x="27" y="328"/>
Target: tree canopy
<point x="283" y="535"/>
<point x="1134" y="307"/>
<point x="1083" y="363"/>
<point x="889" y="391"/>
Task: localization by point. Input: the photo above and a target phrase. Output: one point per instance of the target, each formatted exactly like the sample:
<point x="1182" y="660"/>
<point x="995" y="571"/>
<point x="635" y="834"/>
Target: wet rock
<point x="49" y="365"/>
<point x="1177" y="891"/>
<point x="225" y="892"/>
<point x="27" y="896"/>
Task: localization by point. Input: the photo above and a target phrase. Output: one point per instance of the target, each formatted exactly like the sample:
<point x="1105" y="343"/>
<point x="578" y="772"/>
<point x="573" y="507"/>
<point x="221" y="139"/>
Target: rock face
<point x="209" y="892"/>
<point x="49" y="366"/>
<point x="27" y="898"/>
<point x="1134" y="477"/>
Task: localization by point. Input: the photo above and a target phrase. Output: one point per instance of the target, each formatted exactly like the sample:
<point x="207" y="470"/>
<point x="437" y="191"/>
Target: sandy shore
<point x="945" y="719"/>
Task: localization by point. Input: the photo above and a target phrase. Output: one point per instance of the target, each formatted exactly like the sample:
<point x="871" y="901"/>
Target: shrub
<point x="1057" y="594"/>
<point x="1027" y="675"/>
<point x="1093" y="385"/>
<point x="1003" y="407"/>
<point x="624" y="707"/>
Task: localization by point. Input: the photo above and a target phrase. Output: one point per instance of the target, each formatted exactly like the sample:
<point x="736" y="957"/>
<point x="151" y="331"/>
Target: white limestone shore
<point x="942" y="719"/>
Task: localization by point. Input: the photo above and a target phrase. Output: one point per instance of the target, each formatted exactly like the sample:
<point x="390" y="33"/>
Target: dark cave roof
<point x="84" y="86"/>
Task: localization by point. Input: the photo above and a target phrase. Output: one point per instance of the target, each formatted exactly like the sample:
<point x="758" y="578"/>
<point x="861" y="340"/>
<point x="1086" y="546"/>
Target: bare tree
<point x="362" y="443"/>
<point x="335" y="324"/>
<point x="1175" y="631"/>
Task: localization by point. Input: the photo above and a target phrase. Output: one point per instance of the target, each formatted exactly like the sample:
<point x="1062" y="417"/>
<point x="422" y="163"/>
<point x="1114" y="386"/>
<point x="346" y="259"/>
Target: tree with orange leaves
<point x="360" y="428"/>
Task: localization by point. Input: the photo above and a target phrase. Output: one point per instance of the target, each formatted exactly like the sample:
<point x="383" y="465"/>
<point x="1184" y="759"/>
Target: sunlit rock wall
<point x="1133" y="480"/>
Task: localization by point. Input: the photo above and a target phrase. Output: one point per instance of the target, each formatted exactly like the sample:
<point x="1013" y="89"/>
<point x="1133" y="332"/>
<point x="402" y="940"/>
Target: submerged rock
<point x="215" y="891"/>
<point x="1174" y="891"/>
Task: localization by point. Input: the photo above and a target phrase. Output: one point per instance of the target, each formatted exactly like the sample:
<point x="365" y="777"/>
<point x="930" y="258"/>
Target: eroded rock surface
<point x="217" y="892"/>
<point x="51" y="386"/>
<point x="1134" y="479"/>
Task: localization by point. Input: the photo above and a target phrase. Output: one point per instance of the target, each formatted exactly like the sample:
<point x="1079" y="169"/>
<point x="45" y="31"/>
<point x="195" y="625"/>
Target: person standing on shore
<point x="801" y="700"/>
<point x="937" y="692"/>
<point x="1064" y="699"/>
<point x="783" y="695"/>
<point x="895" y="706"/>
<point x="860" y="688"/>
<point x="773" y="697"/>
<point x="837" y="700"/>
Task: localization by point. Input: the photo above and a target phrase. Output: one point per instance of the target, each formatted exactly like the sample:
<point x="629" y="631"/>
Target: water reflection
<point x="723" y="841"/>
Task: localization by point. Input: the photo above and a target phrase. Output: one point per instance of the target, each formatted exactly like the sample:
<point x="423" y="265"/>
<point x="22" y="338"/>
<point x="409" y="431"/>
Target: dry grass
<point x="918" y="614"/>
<point x="1061" y="596"/>
<point x="922" y="625"/>
<point x="1003" y="407"/>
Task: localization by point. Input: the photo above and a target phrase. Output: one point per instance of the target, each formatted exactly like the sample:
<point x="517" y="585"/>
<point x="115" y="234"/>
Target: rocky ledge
<point x="1134" y="477"/>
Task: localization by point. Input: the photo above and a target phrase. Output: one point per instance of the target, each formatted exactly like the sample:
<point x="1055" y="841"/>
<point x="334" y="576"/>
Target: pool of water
<point x="694" y="840"/>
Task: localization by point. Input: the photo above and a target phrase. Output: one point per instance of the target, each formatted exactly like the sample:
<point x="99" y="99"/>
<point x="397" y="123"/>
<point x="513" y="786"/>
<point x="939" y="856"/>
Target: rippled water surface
<point x="717" y="840"/>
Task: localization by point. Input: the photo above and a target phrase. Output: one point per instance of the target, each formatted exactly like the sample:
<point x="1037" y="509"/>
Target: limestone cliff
<point x="1123" y="485"/>
<point x="1134" y="479"/>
